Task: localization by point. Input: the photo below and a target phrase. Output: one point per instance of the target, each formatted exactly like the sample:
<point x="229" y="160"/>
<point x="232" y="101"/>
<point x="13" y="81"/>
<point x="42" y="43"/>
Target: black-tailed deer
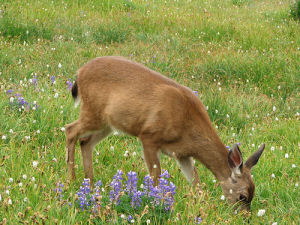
<point x="116" y="93"/>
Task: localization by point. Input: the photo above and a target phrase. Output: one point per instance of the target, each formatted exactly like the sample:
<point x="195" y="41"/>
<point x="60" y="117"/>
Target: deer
<point x="116" y="93"/>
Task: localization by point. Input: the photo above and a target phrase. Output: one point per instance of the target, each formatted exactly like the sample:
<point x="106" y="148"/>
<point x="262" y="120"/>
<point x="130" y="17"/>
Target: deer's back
<point x="135" y="99"/>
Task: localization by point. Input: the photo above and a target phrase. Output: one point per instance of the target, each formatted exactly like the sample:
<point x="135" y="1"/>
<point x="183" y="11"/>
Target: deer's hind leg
<point x="87" y="145"/>
<point x="78" y="129"/>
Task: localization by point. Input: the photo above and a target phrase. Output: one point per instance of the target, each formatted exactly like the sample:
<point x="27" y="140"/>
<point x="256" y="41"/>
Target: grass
<point x="243" y="58"/>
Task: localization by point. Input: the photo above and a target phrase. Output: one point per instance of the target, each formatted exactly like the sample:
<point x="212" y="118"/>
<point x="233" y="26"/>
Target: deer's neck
<point x="214" y="155"/>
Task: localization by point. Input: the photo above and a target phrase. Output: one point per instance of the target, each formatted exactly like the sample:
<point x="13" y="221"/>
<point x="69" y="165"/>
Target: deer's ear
<point x="235" y="159"/>
<point x="253" y="159"/>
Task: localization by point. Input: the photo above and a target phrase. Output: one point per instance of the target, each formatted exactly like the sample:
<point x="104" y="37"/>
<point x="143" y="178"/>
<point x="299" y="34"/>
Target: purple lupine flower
<point x="116" y="186"/>
<point x="70" y="84"/>
<point x="83" y="194"/>
<point x="130" y="217"/>
<point x="148" y="185"/>
<point x="164" y="192"/>
<point x="131" y="185"/>
<point x="156" y="195"/>
<point x="98" y="183"/>
<point x="169" y="196"/>
<point x="52" y="79"/>
<point x="196" y="93"/>
<point x="165" y="174"/>
<point x="198" y="220"/>
<point x="58" y="190"/>
<point x="9" y="91"/>
<point x="34" y="80"/>
<point x="136" y="199"/>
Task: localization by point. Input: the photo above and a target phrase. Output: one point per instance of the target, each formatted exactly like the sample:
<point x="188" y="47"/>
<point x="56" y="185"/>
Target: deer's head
<point x="239" y="187"/>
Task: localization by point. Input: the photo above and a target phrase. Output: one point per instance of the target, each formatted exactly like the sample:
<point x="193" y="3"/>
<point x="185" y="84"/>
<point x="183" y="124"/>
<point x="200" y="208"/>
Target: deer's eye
<point x="243" y="198"/>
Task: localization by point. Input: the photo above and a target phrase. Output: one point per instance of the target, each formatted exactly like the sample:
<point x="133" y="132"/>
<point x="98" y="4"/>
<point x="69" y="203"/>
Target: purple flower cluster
<point x="20" y="101"/>
<point x="116" y="186"/>
<point x="34" y="81"/>
<point x="148" y="185"/>
<point x="198" y="220"/>
<point x="85" y="198"/>
<point x="131" y="186"/>
<point x="59" y="190"/>
<point x="164" y="192"/>
<point x="70" y="84"/>
<point x="52" y="79"/>
<point x="83" y="194"/>
<point x="161" y="195"/>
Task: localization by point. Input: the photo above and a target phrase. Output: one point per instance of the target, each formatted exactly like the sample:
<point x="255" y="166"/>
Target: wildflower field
<point x="242" y="59"/>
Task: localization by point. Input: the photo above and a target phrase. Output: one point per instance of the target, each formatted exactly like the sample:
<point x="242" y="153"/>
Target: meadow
<point x="242" y="57"/>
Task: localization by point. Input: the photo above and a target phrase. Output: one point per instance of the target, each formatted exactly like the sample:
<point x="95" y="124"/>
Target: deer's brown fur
<point x="116" y="93"/>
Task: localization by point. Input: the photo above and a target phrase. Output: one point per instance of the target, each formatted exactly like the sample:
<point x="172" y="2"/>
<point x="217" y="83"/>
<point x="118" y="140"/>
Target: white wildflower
<point x="261" y="212"/>
<point x="20" y="184"/>
<point x="59" y="65"/>
<point x="293" y="166"/>
<point x="126" y="153"/>
<point x="148" y="221"/>
<point x="222" y="197"/>
<point x="154" y="166"/>
<point x="7" y="192"/>
<point x="273" y="175"/>
<point x="11" y="99"/>
<point x="272" y="148"/>
<point x="11" y="131"/>
<point x="56" y="95"/>
<point x="3" y="137"/>
<point x="10" y="180"/>
<point x="9" y="201"/>
<point x="24" y="176"/>
<point x="25" y="199"/>
<point x="62" y="129"/>
<point x="32" y="179"/>
<point x="112" y="148"/>
<point x="35" y="164"/>
<point x="286" y="155"/>
<point x="274" y="108"/>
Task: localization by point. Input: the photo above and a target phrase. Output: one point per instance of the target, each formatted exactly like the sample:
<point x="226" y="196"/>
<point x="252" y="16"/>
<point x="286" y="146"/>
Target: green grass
<point x="243" y="58"/>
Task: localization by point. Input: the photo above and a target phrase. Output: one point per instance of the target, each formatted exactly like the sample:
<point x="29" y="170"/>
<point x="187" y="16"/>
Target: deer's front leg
<point x="151" y="157"/>
<point x="87" y="145"/>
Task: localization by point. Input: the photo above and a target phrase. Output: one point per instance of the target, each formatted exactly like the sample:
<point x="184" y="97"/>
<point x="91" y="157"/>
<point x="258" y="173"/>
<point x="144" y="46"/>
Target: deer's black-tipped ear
<point x="253" y="159"/>
<point x="235" y="159"/>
